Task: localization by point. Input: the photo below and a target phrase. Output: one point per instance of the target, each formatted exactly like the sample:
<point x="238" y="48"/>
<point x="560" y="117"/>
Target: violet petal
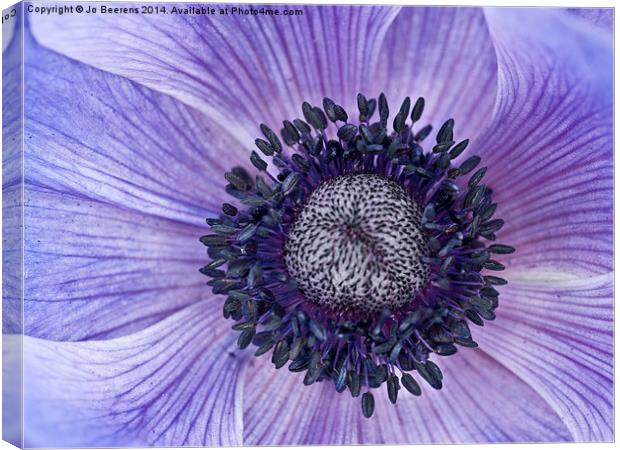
<point x="549" y="148"/>
<point x="95" y="271"/>
<point x="446" y="56"/>
<point x="242" y="71"/>
<point x="558" y="337"/>
<point x="103" y="137"/>
<point x="481" y="401"/>
<point x="155" y="387"/>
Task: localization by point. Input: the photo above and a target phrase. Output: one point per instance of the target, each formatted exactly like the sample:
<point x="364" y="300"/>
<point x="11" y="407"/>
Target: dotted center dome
<point x="356" y="245"/>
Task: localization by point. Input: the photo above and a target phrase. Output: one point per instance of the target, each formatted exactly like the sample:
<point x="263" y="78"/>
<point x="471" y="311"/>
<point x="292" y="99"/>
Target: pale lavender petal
<point x="602" y="17"/>
<point x="11" y="27"/>
<point x="549" y="149"/>
<point x="558" y="337"/>
<point x="240" y="70"/>
<point x="176" y="383"/>
<point x="12" y="153"/>
<point x="12" y="388"/>
<point x="100" y="136"/>
<point x="12" y="202"/>
<point x="481" y="401"/>
<point x="12" y="250"/>
<point x="94" y="271"/>
<point x="445" y="55"/>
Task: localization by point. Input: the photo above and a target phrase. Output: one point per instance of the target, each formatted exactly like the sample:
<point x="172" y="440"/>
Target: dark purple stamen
<point x="359" y="254"/>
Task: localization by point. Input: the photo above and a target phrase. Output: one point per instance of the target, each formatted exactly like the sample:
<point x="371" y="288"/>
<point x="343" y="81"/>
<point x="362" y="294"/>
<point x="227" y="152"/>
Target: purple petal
<point x="105" y="138"/>
<point x="601" y="17"/>
<point x="10" y="28"/>
<point x="12" y="153"/>
<point x="549" y="149"/>
<point x="445" y="55"/>
<point x="558" y="337"/>
<point x="176" y="383"/>
<point x="12" y="249"/>
<point x="94" y="271"/>
<point x="481" y="402"/>
<point x="239" y="70"/>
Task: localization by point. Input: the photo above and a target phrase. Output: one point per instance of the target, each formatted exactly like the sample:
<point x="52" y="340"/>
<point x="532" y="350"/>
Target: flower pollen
<point x="356" y="245"/>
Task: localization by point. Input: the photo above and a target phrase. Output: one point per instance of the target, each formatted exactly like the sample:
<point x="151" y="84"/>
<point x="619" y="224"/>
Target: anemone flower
<point x="348" y="255"/>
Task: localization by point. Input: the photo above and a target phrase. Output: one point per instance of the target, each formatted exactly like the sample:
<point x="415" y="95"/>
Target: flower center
<point x="356" y="245"/>
<point x="356" y="255"/>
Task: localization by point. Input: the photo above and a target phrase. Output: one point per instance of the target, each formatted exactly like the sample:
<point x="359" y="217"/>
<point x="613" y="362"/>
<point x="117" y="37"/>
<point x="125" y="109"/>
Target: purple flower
<point x="138" y="126"/>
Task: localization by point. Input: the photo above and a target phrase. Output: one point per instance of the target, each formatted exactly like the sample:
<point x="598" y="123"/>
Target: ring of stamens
<point x="426" y="237"/>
